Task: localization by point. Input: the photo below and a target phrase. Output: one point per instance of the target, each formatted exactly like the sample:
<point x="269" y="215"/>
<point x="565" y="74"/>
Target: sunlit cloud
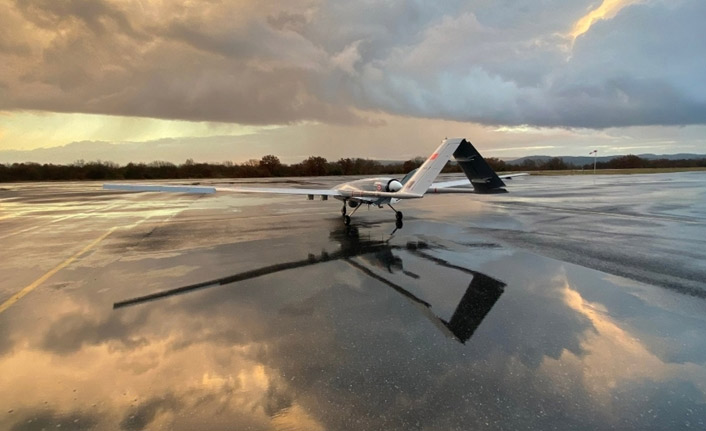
<point x="30" y="130"/>
<point x="608" y="9"/>
<point x="143" y="71"/>
<point x="524" y="128"/>
<point x="535" y="147"/>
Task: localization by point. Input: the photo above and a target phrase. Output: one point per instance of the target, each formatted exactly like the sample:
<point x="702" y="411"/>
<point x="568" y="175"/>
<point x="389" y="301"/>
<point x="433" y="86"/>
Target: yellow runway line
<point x="17" y="296"/>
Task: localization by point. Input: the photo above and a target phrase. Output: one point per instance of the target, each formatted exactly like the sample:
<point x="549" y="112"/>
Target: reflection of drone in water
<point x="379" y="191"/>
<point x="480" y="296"/>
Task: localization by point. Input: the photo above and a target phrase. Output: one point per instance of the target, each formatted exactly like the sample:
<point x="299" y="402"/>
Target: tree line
<point x="621" y="162"/>
<point x="267" y="166"/>
<point x="271" y="166"/>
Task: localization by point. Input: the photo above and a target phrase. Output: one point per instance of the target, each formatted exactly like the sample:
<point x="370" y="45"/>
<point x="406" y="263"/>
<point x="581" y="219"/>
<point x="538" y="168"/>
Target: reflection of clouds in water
<point x="44" y="419"/>
<point x="294" y="417"/>
<point x="70" y="332"/>
<point x="668" y="325"/>
<point x="613" y="355"/>
<point x="215" y="384"/>
<point x="156" y="412"/>
<point x="414" y="374"/>
<point x="115" y="361"/>
<point x="305" y="350"/>
<point x="535" y="321"/>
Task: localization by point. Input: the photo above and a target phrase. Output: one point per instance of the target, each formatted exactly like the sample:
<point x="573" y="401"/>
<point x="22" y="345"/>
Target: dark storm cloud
<point x="97" y="16"/>
<point x="640" y="68"/>
<point x="264" y="63"/>
<point x="646" y="65"/>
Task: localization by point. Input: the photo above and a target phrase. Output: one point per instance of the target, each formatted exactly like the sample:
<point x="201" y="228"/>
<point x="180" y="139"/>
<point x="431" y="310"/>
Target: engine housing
<point x="393" y="186"/>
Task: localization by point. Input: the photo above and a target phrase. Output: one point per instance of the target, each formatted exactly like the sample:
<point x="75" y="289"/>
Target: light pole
<point x="595" y="154"/>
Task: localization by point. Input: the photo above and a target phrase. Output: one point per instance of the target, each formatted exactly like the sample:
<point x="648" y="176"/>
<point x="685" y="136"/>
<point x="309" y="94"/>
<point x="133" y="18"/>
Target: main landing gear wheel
<point x="398" y="214"/>
<point x="347" y="220"/>
<point x="399" y="224"/>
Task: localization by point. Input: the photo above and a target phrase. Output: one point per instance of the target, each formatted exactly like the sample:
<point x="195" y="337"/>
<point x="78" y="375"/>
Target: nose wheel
<point x="347" y="218"/>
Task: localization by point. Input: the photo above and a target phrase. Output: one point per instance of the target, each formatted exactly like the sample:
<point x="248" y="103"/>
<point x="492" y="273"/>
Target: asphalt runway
<point x="571" y="303"/>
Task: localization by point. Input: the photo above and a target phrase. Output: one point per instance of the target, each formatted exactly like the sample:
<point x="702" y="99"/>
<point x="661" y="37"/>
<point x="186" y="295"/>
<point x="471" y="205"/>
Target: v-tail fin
<point x="482" y="176"/>
<point x="425" y="175"/>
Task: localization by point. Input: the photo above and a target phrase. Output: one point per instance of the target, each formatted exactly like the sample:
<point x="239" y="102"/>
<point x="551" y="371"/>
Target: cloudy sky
<point x="217" y="80"/>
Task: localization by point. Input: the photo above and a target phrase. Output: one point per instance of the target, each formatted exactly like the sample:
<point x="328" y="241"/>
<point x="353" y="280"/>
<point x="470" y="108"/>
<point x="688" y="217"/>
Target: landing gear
<point x="398" y="214"/>
<point x="398" y="219"/>
<point x="398" y="226"/>
<point x="347" y="218"/>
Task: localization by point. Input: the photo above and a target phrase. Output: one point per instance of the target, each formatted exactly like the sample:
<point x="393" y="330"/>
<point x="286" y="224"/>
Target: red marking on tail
<point x="434" y="156"/>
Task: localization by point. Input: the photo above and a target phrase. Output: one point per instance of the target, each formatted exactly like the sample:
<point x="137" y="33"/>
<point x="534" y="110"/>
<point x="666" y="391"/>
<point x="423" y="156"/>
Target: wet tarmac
<point x="571" y="303"/>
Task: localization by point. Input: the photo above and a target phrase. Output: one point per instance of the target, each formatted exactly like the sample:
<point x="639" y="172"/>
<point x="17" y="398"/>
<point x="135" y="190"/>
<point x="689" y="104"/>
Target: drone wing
<point x="210" y="190"/>
<point x="261" y="190"/>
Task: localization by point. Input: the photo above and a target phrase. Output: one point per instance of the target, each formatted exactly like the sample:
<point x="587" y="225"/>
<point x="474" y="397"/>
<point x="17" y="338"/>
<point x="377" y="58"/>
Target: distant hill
<point x="585" y="160"/>
<point x="679" y="156"/>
